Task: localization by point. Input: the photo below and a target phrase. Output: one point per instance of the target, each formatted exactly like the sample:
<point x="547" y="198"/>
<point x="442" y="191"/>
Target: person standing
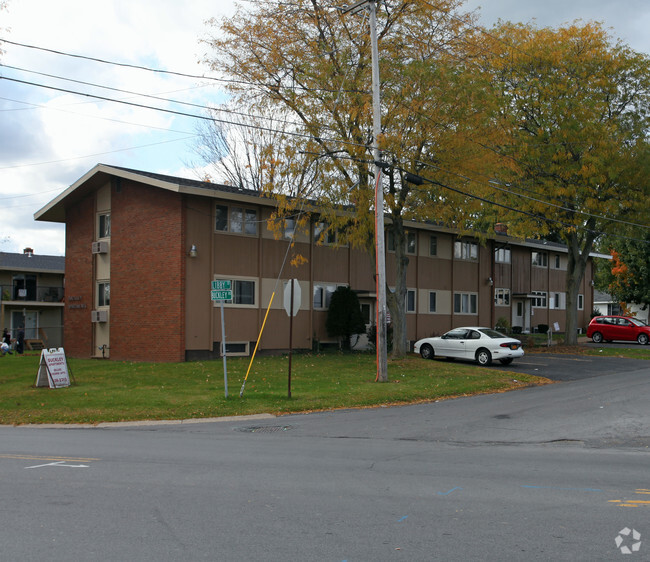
<point x="20" y="341"/>
<point x="6" y="337"/>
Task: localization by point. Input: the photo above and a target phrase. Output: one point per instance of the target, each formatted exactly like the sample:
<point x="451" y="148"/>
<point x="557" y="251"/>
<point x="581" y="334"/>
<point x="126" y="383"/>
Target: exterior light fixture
<point x="490" y="281"/>
<point x="193" y="251"/>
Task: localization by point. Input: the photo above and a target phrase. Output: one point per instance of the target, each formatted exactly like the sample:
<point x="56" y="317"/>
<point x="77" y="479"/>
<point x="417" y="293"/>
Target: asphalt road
<point x="558" y="472"/>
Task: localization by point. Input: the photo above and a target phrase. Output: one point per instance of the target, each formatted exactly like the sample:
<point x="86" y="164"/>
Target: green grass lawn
<point x="105" y="391"/>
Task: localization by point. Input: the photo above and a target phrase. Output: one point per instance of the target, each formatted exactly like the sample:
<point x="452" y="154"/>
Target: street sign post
<point x="221" y="290"/>
<point x="292" y="306"/>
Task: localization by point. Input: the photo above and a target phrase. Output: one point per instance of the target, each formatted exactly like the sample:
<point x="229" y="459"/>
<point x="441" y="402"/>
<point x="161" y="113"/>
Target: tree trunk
<point x="396" y="300"/>
<point x="576" y="267"/>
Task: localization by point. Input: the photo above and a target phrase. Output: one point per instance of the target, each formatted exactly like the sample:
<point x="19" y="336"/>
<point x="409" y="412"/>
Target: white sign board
<point x="296" y="297"/>
<point x="53" y="369"/>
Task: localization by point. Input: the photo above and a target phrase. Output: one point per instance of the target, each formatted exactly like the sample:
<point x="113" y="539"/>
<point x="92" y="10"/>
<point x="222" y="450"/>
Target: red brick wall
<point x="77" y="328"/>
<point x="147" y="274"/>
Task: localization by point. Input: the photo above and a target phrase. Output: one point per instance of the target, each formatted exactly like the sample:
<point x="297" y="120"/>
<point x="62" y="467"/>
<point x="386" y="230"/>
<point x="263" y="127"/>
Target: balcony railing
<point x="12" y="293"/>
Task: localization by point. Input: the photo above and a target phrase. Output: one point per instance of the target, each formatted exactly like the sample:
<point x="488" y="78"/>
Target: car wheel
<point x="642" y="339"/>
<point x="597" y="337"/>
<point x="506" y="361"/>
<point x="426" y="351"/>
<point x="483" y="357"/>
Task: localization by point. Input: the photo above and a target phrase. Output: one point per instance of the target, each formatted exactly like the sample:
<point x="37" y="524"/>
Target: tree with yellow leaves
<point x="312" y="64"/>
<point x="573" y="110"/>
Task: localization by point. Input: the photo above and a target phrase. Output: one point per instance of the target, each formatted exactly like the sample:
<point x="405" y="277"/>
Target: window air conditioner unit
<point x="100" y="247"/>
<point x="99" y="316"/>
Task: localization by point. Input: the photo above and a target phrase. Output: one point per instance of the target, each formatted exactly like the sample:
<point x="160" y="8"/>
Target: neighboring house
<point x="142" y="250"/>
<point x="605" y="304"/>
<point x="31" y="296"/>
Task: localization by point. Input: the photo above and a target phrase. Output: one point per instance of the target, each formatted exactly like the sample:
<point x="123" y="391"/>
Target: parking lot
<point x="563" y="367"/>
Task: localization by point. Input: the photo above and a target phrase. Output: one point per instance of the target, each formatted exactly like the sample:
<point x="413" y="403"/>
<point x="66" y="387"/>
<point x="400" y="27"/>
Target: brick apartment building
<point x="142" y="250"/>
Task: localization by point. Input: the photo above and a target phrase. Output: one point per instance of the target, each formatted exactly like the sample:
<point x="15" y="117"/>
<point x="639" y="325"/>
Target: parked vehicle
<point x="482" y="345"/>
<point x="622" y="328"/>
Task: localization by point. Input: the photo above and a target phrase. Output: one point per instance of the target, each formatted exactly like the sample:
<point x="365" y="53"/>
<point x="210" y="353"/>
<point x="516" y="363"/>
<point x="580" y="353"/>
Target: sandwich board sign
<point x="53" y="369"/>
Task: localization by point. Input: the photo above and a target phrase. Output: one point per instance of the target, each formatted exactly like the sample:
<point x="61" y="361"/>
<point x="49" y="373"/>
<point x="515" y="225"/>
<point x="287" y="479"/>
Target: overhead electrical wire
<point x="181" y="113"/>
<point x="170" y="72"/>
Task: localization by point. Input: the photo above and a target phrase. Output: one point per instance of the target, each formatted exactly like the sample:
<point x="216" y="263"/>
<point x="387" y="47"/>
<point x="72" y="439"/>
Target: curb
<point x="141" y="423"/>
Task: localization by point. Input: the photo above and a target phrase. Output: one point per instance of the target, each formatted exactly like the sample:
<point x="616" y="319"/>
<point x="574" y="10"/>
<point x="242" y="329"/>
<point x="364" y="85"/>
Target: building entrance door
<point x="521" y="314"/>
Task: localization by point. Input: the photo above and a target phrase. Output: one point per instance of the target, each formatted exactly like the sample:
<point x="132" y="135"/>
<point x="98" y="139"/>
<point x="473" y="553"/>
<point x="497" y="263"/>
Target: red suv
<point x="610" y="328"/>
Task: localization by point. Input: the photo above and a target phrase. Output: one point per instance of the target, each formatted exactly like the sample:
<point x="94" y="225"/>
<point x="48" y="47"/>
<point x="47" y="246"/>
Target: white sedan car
<point x="482" y="345"/>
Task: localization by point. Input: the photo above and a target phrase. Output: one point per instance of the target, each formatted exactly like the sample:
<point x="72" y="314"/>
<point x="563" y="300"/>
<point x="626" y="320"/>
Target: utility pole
<point x="380" y="254"/>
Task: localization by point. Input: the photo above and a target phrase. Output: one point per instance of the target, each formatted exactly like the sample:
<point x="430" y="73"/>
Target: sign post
<point x="292" y="297"/>
<point x="222" y="291"/>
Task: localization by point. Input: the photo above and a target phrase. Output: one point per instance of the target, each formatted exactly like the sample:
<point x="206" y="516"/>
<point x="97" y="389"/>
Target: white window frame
<point x="557" y="301"/>
<point x="539" y="259"/>
<point x="503" y="255"/>
<point x="103" y="289"/>
<point x="248" y="223"/>
<point x="326" y="291"/>
<point x="502" y="296"/>
<point x="103" y="225"/>
<point x="581" y="301"/>
<point x="539" y="300"/>
<point x="433" y="245"/>
<point x="466" y="303"/>
<point x="433" y="309"/>
<point x="244" y="353"/>
<point x="410" y="239"/>
<point x="411" y="301"/>
<point x="465" y="250"/>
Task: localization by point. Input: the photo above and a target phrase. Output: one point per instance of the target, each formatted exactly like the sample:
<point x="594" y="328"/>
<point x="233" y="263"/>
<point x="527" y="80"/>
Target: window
<point x="557" y="300"/>
<point x="236" y="348"/>
<point x="410" y="300"/>
<point x="103" y="294"/>
<point x="433" y="245"/>
<point x="539" y="299"/>
<point x="243" y="292"/>
<point x="465" y="303"/>
<point x="432" y="301"/>
<point x="502" y="297"/>
<point x="24" y="287"/>
<point x="104" y="230"/>
<point x="324" y="234"/>
<point x="502" y="255"/>
<point x="323" y="295"/>
<point x="465" y="250"/>
<point x="289" y="228"/>
<point x="557" y="262"/>
<point x="539" y="259"/>
<point x="581" y="302"/>
<point x="410" y="238"/>
<point x="235" y="219"/>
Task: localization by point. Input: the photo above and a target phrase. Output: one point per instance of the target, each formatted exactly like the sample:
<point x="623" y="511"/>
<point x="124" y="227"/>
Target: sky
<point x="50" y="138"/>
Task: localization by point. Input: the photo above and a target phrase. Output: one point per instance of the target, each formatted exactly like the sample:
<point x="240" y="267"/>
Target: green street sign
<point x="222" y="285"/>
<point x="221" y="295"/>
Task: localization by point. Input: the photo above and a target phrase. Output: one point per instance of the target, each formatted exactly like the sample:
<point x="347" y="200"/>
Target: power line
<point x="169" y="72"/>
<point x="151" y="96"/>
<point x="181" y="113"/>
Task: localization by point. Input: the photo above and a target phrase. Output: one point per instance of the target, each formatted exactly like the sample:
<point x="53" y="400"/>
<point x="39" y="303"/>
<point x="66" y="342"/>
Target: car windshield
<point x="492" y="333"/>
<point x="637" y="322"/>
